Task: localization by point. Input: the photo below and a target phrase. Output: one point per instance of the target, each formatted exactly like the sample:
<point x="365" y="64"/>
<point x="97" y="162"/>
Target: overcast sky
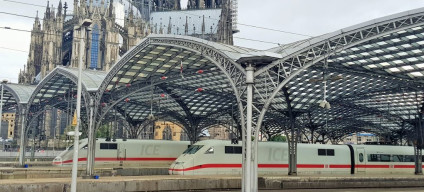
<point x="309" y="17"/>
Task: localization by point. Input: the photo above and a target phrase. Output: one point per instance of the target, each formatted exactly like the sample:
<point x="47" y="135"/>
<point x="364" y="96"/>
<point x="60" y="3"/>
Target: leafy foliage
<point x="278" y="138"/>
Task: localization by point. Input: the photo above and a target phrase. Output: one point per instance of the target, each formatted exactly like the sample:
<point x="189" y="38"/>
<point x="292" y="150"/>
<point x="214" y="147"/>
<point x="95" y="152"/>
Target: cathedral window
<point x="94" y="47"/>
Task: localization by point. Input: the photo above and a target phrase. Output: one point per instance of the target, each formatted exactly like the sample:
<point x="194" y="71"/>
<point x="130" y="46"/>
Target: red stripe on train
<point x="404" y="166"/>
<point x="372" y="166"/>
<point x="259" y="166"/>
<point x="340" y="166"/>
<point x="273" y="165"/>
<point x="310" y="165"/>
<point x="124" y="159"/>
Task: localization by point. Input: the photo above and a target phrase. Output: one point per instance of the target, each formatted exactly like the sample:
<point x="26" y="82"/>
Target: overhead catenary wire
<point x="242" y="38"/>
<point x="243" y="24"/>
<point x="28" y="31"/>
<point x="13" y="49"/>
<point x="19" y="2"/>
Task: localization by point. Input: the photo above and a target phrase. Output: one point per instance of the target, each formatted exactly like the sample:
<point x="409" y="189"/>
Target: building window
<point x="94" y="47"/>
<point x="183" y="136"/>
<point x="167" y="133"/>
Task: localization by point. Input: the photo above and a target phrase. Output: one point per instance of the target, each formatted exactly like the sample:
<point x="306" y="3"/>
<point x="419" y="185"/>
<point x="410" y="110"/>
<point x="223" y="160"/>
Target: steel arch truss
<point x="381" y="56"/>
<point x="184" y="76"/>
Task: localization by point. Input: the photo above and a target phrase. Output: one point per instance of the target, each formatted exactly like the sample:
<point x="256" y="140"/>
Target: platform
<point x="64" y="172"/>
<point x="185" y="183"/>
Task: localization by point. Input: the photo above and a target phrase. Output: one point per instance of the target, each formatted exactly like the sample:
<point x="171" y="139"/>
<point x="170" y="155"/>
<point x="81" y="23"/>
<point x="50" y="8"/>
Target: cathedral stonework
<point x="114" y="30"/>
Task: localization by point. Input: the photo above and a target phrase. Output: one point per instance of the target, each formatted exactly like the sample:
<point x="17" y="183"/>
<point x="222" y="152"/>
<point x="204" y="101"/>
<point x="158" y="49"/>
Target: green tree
<point x="103" y="131"/>
<point x="278" y="138"/>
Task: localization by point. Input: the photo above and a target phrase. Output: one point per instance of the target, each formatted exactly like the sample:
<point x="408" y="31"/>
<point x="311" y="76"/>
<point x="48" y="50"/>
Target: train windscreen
<point x="193" y="149"/>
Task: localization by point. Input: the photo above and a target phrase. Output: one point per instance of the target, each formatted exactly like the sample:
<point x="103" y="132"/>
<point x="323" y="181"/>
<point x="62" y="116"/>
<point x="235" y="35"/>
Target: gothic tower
<point x="56" y="41"/>
<point x="33" y="66"/>
<point x="225" y="25"/>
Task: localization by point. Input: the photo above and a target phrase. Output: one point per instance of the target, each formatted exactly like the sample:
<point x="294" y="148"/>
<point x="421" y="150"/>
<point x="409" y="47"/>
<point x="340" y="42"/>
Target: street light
<point x="82" y="28"/>
<point x="4" y="81"/>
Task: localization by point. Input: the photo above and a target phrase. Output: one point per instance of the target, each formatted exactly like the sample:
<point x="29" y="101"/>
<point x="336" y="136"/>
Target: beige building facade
<point x="10" y="118"/>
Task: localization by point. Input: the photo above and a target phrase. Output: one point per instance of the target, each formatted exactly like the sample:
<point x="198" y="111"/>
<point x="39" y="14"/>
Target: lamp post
<point x="1" y="101"/>
<point x="82" y="28"/>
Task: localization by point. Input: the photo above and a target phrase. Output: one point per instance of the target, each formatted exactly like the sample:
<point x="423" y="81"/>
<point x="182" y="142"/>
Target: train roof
<point x="137" y="141"/>
<point x="271" y="143"/>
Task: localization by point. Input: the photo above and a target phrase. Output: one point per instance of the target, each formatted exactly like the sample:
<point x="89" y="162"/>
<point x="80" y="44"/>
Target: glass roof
<point x="374" y="85"/>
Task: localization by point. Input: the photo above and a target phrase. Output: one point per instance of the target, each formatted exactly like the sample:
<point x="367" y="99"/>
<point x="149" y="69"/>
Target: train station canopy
<point x="59" y="89"/>
<point x="177" y="77"/>
<point x="15" y="94"/>
<point x="367" y="77"/>
<point x="371" y="74"/>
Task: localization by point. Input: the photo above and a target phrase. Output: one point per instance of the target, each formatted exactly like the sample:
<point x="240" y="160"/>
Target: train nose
<point x="176" y="168"/>
<point x="57" y="161"/>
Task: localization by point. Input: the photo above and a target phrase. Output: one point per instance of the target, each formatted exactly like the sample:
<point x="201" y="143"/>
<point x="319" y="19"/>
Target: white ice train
<point x="213" y="157"/>
<point x="126" y="153"/>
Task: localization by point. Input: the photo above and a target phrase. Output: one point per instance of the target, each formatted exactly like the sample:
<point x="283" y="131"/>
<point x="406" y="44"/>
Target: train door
<point x="361" y="162"/>
<point x="121" y="153"/>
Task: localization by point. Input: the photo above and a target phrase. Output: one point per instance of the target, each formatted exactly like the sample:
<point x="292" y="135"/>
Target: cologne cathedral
<point x="117" y="28"/>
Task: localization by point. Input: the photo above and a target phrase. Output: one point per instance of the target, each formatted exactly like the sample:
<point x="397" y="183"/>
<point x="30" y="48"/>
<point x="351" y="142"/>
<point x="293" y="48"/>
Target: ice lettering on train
<point x="277" y="154"/>
<point x="150" y="150"/>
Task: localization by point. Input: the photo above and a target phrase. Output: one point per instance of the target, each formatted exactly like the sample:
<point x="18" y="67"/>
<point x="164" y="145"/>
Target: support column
<point x="91" y="141"/>
<point x="418" y="160"/>
<point x="419" y="144"/>
<point x="23" y="136"/>
<point x="84" y="24"/>
<point x="247" y="166"/>
<point x="293" y="135"/>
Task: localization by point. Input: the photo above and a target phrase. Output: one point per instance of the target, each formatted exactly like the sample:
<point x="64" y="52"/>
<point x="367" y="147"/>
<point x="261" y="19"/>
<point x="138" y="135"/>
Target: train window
<point x="330" y="152"/>
<point x="233" y="150"/>
<point x="322" y="152"/>
<point x="237" y="150"/>
<point x="373" y="157"/>
<point x="193" y="149"/>
<point x="229" y="149"/>
<point x="398" y="158"/>
<point x="108" y="146"/>
<point x="384" y="158"/>
<point x="379" y="158"/>
<point x="409" y="158"/>
<point x="209" y="151"/>
<point x="85" y="147"/>
<point x="113" y="146"/>
<point x="326" y="152"/>
<point x="361" y="157"/>
<point x="104" y="146"/>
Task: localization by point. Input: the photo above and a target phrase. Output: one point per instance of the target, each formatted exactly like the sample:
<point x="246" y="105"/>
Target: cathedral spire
<point x="130" y="12"/>
<point x="177" y="5"/>
<point x="37" y="25"/>
<point x="75" y="8"/>
<point x="186" y="26"/>
<point x="47" y="13"/>
<point x="52" y="11"/>
<point x="111" y="14"/>
<point x="203" y="26"/>
<point x="83" y="7"/>
<point x="59" y="7"/>
<point x="169" y="26"/>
